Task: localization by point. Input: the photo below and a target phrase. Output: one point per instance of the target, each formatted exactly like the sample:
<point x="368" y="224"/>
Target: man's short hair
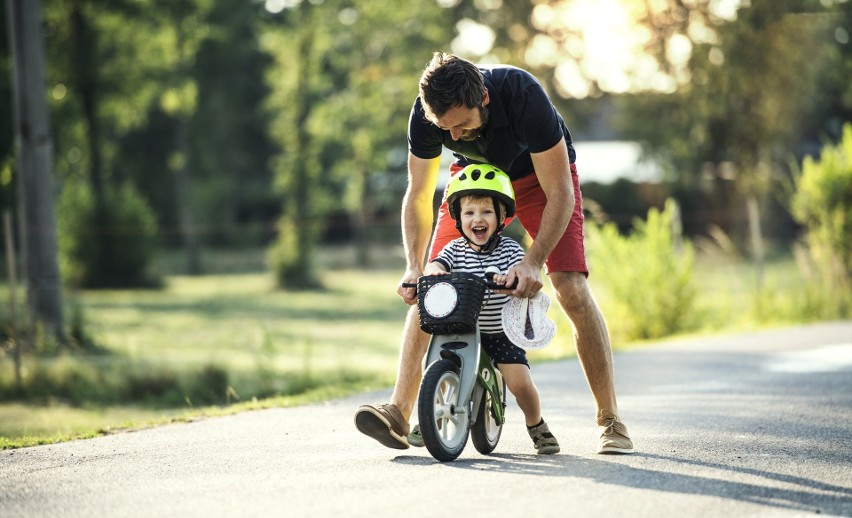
<point x="449" y="81"/>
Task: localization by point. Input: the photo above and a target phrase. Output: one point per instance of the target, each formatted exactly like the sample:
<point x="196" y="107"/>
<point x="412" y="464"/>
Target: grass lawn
<point x="283" y="347"/>
<point x="289" y="346"/>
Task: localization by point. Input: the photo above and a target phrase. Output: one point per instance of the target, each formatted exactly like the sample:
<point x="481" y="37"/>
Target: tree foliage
<point x="748" y="88"/>
<point x="239" y="122"/>
<point x="343" y="91"/>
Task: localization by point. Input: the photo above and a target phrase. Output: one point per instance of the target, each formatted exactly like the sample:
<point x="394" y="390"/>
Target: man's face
<point x="465" y="123"/>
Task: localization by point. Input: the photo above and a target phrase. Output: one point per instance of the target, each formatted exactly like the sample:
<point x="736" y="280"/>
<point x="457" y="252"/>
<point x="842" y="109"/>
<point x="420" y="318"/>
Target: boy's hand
<point x="499" y="279"/>
<point x="434" y="268"/>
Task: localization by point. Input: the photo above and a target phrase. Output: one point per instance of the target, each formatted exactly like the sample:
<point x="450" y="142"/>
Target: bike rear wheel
<point x="444" y="422"/>
<point x="485" y="432"/>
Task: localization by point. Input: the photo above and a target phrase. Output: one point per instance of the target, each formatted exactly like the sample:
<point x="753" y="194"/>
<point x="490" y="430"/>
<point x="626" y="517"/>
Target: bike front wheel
<point x="444" y="420"/>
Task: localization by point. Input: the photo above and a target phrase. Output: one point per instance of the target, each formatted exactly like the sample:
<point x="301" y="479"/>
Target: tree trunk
<point x="13" y="293"/>
<point x="85" y="79"/>
<point x="363" y="215"/>
<point x="183" y="172"/>
<point x="183" y="185"/>
<point x="756" y="236"/>
<point x="303" y="165"/>
<point x="35" y="159"/>
<point x="297" y="270"/>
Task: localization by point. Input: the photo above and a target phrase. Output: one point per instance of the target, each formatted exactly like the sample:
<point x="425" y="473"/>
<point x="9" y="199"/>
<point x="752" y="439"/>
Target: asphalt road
<point x="748" y="425"/>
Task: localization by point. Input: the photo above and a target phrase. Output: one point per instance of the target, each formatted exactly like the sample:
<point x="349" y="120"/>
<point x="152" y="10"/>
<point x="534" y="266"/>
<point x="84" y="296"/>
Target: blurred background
<point x="201" y="197"/>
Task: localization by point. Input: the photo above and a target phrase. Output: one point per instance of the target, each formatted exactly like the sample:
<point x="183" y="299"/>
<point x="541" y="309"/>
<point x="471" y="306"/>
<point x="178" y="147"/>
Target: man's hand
<point x="409" y="295"/>
<point x="529" y="279"/>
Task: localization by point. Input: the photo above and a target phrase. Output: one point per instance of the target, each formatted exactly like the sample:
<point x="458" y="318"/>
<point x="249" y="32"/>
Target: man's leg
<point x="593" y="347"/>
<point x="595" y="355"/>
<point x="410" y="369"/>
<point x="388" y="422"/>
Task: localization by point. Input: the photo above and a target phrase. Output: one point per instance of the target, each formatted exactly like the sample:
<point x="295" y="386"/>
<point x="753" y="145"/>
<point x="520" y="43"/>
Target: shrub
<point x="289" y="262"/>
<point x="86" y="381"/>
<point x="822" y="202"/>
<point x="119" y="254"/>
<point x="647" y="275"/>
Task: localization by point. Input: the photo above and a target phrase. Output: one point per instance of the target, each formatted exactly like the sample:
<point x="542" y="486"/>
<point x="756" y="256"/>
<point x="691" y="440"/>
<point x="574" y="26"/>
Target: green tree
<point x="303" y="84"/>
<point x="231" y="144"/>
<point x="743" y="96"/>
<point x="100" y="88"/>
<point x="343" y="88"/>
<point x="209" y="180"/>
<point x="168" y="96"/>
<point x="365" y="118"/>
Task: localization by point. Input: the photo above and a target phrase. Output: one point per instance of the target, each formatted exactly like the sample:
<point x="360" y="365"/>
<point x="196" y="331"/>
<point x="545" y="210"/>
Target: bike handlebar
<point x="488" y="280"/>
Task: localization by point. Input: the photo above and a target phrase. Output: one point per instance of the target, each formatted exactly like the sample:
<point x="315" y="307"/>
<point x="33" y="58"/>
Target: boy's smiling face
<point x="479" y="221"/>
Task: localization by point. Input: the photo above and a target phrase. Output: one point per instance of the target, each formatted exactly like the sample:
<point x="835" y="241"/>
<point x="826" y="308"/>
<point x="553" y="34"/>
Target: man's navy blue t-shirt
<point x="521" y="120"/>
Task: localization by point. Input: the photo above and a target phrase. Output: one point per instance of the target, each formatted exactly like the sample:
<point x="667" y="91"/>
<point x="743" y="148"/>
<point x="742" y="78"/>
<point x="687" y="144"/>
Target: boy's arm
<point x="502" y="278"/>
<point x="435" y="268"/>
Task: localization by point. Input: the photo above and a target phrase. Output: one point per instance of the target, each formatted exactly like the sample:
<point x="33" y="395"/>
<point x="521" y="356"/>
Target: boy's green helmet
<point x="483" y="180"/>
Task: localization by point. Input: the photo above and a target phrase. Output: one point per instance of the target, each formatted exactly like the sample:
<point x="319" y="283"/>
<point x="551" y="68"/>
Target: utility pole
<point x="34" y="146"/>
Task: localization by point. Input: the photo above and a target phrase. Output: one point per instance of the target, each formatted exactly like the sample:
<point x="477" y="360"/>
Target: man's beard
<point x="473" y="134"/>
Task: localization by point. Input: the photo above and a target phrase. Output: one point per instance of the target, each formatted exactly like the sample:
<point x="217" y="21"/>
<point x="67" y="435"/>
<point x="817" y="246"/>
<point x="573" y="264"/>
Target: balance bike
<point x="462" y="394"/>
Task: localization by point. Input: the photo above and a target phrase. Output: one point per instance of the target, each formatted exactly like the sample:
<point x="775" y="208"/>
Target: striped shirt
<point x="458" y="256"/>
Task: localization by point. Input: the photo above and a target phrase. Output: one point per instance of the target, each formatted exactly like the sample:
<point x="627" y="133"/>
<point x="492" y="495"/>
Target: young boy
<point x="480" y="199"/>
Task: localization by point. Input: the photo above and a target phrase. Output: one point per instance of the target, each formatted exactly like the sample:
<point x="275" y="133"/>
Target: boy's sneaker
<point x="384" y="423"/>
<point x="415" y="438"/>
<point x="544" y="441"/>
<point x="614" y="436"/>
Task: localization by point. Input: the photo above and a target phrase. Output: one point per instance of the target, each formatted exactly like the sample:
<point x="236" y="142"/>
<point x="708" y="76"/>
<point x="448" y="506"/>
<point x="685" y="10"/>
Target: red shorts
<point x="569" y="255"/>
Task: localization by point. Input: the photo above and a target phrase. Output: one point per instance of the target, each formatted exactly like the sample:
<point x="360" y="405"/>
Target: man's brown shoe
<point x="384" y="423"/>
<point x="614" y="436"/>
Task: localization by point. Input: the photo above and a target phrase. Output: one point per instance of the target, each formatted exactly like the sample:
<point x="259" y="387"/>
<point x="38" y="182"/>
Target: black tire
<point x="485" y="432"/>
<point x="445" y="431"/>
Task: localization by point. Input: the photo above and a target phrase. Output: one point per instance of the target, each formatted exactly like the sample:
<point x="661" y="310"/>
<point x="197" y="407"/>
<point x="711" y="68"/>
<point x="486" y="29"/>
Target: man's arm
<point x="554" y="175"/>
<point x="417" y="219"/>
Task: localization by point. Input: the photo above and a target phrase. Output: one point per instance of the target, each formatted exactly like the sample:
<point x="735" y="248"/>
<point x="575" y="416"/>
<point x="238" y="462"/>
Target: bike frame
<point x="476" y="372"/>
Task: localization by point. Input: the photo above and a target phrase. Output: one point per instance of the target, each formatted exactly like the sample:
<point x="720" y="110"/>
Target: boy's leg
<point x="567" y="271"/>
<point x="520" y="383"/>
<point x="519" y="380"/>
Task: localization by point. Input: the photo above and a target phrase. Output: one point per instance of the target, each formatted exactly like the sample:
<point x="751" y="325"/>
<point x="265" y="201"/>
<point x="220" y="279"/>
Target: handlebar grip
<point x="489" y="283"/>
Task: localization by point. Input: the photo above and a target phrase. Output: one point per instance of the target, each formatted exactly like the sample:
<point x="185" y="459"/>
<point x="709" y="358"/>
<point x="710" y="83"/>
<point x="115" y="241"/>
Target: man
<point x="499" y="115"/>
